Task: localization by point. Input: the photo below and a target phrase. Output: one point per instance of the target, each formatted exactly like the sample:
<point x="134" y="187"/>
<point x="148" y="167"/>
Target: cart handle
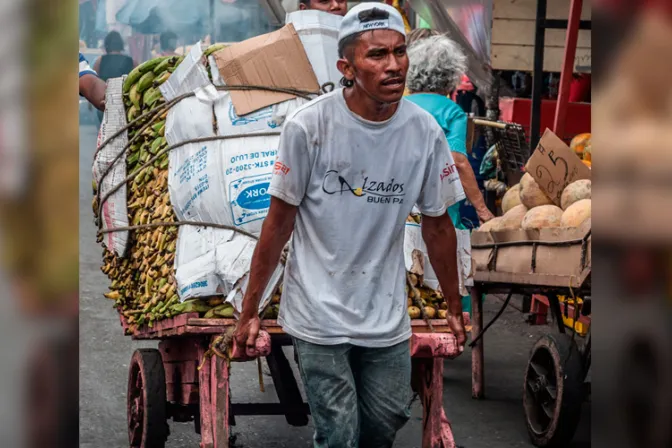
<point x="492" y="124"/>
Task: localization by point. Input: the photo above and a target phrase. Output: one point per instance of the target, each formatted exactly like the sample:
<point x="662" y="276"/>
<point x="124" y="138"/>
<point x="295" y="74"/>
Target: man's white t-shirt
<point x="355" y="182"/>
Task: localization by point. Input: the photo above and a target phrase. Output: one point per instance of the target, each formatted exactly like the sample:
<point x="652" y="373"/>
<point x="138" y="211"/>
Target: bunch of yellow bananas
<point x="143" y="286"/>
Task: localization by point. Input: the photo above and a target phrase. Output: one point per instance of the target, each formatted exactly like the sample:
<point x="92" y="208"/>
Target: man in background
<point x="337" y="7"/>
<point x="168" y="42"/>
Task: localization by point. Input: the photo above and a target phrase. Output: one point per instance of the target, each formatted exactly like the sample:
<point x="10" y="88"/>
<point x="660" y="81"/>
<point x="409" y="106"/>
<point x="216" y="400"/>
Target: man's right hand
<point x="247" y="331"/>
<point x="484" y="215"/>
<point x="456" y="325"/>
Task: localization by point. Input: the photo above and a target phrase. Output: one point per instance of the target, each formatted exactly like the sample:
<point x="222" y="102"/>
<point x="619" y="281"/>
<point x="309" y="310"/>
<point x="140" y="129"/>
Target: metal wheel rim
<point x="541" y="391"/>
<point x="136" y="403"/>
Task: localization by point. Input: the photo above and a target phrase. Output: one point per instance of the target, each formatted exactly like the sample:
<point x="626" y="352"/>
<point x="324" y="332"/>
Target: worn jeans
<point x="359" y="397"/>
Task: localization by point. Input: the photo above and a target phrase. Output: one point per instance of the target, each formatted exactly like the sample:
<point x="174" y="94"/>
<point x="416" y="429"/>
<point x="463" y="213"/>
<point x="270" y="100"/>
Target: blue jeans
<point x="359" y="397"/>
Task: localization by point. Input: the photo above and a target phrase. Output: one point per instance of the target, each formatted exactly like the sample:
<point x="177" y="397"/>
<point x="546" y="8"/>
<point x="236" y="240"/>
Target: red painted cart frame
<point x="204" y="395"/>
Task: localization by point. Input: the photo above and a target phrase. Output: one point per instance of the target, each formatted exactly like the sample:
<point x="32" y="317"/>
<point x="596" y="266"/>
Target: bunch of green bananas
<point x="143" y="286"/>
<point x="142" y="283"/>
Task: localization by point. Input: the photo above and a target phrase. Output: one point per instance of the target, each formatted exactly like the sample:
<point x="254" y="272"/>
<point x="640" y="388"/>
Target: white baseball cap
<point x="356" y="20"/>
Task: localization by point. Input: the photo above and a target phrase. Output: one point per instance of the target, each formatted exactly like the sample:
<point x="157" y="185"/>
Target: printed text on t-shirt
<point x="280" y="168"/>
<point x="448" y="170"/>
<point x="385" y="192"/>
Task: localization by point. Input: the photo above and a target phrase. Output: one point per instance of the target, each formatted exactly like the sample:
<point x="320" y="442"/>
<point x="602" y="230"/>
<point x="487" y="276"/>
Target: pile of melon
<point x="526" y="206"/>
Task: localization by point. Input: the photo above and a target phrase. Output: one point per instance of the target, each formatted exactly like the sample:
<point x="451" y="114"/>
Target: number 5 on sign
<point x="554" y="166"/>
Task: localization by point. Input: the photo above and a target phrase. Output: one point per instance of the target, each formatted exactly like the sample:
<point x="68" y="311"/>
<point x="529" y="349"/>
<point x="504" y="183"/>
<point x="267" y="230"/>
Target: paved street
<point x="496" y="422"/>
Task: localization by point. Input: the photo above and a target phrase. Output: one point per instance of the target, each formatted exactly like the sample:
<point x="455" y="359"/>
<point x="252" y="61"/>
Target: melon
<point x="542" y="217"/>
<point x="588" y="152"/>
<point x="511" y="198"/>
<point x="512" y="219"/>
<point x="531" y="194"/>
<point x="579" y="143"/>
<point x="574" y="192"/>
<point x="490" y="225"/>
<point x="576" y="213"/>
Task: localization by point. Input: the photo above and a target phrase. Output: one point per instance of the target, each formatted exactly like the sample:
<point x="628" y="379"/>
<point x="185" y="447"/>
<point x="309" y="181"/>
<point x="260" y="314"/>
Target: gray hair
<point x="436" y="65"/>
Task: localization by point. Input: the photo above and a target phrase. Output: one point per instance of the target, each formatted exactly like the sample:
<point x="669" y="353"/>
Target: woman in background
<point x="436" y="68"/>
<point x="113" y="63"/>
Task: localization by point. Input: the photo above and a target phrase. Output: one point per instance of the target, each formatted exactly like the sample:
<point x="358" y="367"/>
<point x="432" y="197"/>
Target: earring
<point x="347" y="82"/>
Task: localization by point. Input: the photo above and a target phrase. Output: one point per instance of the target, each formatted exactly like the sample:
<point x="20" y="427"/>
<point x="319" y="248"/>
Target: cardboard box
<point x="554" y="166"/>
<point x="276" y="59"/>
<point x="554" y="257"/>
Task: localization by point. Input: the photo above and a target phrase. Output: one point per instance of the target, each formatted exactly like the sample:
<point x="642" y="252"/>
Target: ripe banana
<point x="113" y="295"/>
<point x="161" y="78"/>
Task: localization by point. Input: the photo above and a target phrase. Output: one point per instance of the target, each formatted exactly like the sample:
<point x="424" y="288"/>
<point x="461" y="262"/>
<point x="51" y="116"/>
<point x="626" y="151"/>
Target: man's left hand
<point x="456" y="324"/>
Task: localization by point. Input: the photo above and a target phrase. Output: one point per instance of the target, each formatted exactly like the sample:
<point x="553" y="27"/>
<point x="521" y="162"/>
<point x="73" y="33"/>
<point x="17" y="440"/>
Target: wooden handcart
<point x="167" y="384"/>
<point x="557" y="378"/>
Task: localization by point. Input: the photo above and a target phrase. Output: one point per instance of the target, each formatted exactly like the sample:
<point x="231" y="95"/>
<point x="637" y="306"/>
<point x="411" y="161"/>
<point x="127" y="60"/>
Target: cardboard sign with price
<point x="554" y="166"/>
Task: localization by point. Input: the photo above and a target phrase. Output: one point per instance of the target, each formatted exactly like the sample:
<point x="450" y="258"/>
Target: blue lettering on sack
<point x="255" y="197"/>
<point x="254" y="117"/>
<point x="249" y="198"/>
<point x="193" y="165"/>
<point x="202" y="186"/>
<point x="194" y="285"/>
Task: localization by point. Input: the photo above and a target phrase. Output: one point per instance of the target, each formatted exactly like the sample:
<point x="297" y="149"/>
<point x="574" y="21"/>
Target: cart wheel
<point x="146" y="400"/>
<point x="553" y="391"/>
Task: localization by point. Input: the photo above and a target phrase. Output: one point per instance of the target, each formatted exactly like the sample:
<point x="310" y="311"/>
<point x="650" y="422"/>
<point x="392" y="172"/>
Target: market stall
<point x="541" y="246"/>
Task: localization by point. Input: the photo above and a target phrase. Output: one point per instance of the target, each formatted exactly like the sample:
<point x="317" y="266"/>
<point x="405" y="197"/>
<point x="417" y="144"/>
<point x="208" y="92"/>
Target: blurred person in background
<point x="91" y="86"/>
<point x="437" y="65"/>
<point x="113" y="63"/>
<point x="467" y="97"/>
<point x="337" y="7"/>
<point x="168" y="43"/>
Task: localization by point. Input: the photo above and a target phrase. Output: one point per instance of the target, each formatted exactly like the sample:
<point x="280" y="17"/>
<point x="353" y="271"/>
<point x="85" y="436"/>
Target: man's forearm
<point x="469" y="183"/>
<point x="264" y="261"/>
<point x="275" y="233"/>
<point x="441" y="241"/>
